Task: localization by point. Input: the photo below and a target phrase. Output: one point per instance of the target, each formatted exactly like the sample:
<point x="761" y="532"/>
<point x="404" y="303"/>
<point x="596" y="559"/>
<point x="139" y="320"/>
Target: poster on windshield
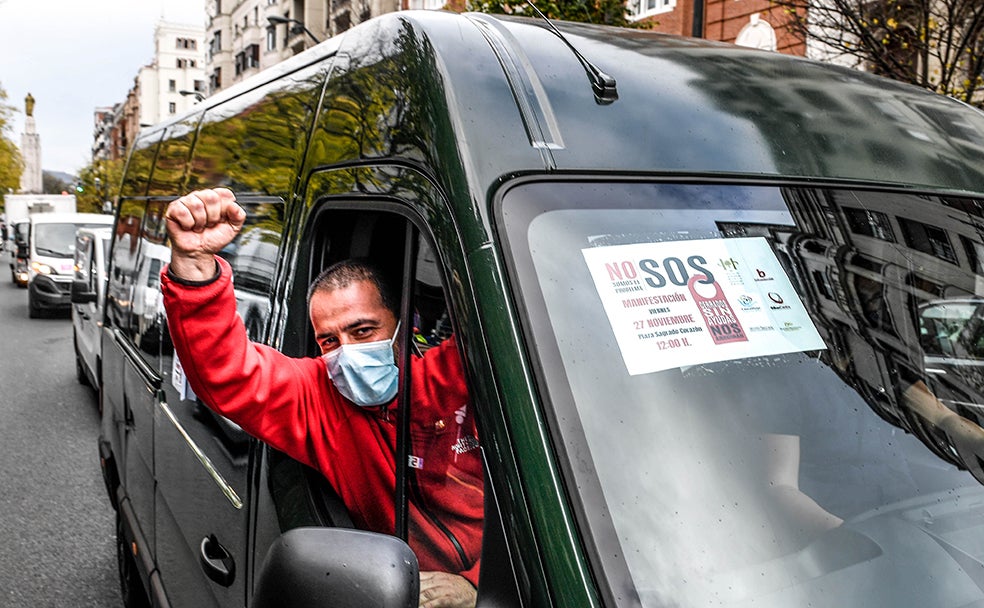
<point x="681" y="303"/>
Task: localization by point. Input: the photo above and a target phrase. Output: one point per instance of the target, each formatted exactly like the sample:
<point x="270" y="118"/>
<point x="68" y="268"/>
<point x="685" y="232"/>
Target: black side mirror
<point x="337" y="568"/>
<point x="22" y="250"/>
<point x="81" y="293"/>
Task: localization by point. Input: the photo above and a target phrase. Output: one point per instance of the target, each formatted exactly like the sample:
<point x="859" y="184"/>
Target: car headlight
<point x="40" y="268"/>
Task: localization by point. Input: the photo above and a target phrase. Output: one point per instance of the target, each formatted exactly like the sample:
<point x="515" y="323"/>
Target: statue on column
<point x="29" y="104"/>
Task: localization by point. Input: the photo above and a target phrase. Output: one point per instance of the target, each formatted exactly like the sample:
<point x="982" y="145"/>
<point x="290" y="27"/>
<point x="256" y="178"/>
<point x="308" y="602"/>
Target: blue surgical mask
<point x="365" y="373"/>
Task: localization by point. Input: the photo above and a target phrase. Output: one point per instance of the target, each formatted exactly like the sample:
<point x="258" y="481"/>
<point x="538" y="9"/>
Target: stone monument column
<point x="30" y="151"/>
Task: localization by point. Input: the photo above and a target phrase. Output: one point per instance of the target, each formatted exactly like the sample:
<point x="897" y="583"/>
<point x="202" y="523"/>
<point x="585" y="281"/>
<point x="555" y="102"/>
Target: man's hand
<point x="200" y="224"/>
<point x="444" y="590"/>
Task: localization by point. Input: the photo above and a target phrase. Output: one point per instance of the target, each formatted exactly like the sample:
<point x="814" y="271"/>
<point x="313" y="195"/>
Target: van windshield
<point x="57" y="240"/>
<point x="766" y="396"/>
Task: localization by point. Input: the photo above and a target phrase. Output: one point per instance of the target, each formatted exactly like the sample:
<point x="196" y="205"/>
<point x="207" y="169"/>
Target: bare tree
<point x="935" y="44"/>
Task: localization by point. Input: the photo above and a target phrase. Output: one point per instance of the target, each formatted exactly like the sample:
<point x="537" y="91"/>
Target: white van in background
<point x="87" y="296"/>
<point x="51" y="258"/>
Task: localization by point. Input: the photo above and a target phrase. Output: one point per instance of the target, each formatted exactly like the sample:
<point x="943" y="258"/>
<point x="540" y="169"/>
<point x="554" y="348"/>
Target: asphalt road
<point x="57" y="530"/>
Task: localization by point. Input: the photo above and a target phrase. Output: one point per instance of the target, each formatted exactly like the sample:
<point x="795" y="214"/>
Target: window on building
<point x="645" y="8"/>
<point x="343" y="21"/>
<point x="172" y="85"/>
<point x="252" y="56"/>
<point x="271" y="38"/>
<point x="216" y="45"/>
<point x="240" y="62"/>
<point x="928" y="239"/>
<point x="869" y="223"/>
<point x="199" y="86"/>
<point x="172" y="108"/>
<point x="215" y="80"/>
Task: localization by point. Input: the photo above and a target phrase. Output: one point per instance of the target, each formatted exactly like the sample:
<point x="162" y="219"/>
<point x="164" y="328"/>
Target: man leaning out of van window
<point x="341" y="427"/>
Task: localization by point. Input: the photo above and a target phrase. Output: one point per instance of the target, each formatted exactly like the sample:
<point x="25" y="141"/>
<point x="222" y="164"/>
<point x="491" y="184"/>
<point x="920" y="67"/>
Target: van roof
<point x="518" y="101"/>
<point x="695" y="107"/>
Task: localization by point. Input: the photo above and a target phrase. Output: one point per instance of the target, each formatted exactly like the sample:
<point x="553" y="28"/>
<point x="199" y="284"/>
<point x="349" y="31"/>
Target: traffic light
<point x="79" y="188"/>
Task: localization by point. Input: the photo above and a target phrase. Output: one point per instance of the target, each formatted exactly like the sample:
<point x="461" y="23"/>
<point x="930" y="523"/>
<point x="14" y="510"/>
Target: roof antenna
<point x="602" y="84"/>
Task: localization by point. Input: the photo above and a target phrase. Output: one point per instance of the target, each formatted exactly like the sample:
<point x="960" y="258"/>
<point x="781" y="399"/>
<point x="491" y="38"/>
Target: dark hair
<point x="344" y="273"/>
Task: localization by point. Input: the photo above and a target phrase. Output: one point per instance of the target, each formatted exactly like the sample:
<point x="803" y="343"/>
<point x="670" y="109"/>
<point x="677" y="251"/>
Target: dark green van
<point x="718" y="309"/>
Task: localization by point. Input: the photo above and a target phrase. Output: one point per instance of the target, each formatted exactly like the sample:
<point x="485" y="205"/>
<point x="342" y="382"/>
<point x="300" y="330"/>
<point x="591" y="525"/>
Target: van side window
<point x="255" y="143"/>
<point x="126" y="242"/>
<point x="84" y="260"/>
<point x="253" y="256"/>
<point x="139" y="164"/>
<point x="146" y="306"/>
<point x="168" y="176"/>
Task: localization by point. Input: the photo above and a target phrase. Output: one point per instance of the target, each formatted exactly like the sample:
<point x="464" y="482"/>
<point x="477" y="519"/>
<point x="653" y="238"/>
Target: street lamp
<point x="198" y="96"/>
<point x="297" y="27"/>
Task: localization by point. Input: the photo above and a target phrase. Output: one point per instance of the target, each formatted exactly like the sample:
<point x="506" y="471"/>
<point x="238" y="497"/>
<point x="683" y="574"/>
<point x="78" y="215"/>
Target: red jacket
<point x="292" y="405"/>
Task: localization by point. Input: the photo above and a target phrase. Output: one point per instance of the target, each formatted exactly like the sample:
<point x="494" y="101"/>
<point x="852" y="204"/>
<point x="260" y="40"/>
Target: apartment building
<point x="175" y="80"/>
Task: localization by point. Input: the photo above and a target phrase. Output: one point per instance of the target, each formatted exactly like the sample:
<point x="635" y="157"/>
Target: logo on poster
<point x="719" y="317"/>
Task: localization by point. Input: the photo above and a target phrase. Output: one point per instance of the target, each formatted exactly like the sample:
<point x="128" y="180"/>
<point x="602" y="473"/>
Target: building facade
<point x="175" y="80"/>
<point x="170" y="84"/>
<point x="756" y="23"/>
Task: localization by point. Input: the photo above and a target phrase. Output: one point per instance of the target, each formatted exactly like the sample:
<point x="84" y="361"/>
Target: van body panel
<point x="481" y="138"/>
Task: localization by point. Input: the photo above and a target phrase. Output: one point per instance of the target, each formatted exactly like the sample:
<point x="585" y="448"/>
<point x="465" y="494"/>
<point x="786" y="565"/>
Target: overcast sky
<point x="74" y="56"/>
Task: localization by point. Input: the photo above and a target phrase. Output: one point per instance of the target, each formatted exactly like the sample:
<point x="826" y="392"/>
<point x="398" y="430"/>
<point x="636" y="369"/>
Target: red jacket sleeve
<point x="267" y="393"/>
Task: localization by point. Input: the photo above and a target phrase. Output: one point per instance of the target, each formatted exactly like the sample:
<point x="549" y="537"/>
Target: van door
<point x="438" y="507"/>
<point x="202" y="459"/>
<point x="131" y="380"/>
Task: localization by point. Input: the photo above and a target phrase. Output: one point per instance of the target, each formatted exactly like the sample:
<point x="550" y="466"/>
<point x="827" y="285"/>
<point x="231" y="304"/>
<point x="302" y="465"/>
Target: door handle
<point x="217" y="562"/>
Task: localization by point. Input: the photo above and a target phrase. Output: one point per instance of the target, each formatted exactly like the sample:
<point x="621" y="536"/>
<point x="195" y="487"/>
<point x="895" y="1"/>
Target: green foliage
<point x="602" y="12"/>
<point x="98" y="182"/>
<point x="11" y="165"/>
<point x="937" y="44"/>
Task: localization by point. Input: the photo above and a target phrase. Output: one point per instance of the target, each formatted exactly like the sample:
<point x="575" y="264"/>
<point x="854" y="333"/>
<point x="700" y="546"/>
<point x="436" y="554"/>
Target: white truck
<point x="17" y="209"/>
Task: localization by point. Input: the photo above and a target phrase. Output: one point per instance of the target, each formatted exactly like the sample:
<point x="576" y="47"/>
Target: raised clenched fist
<point x="200" y="224"/>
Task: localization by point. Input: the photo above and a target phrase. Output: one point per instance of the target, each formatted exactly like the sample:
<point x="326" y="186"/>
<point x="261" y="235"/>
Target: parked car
<point x="683" y="277"/>
<point x="88" y="295"/>
<point x="51" y="258"/>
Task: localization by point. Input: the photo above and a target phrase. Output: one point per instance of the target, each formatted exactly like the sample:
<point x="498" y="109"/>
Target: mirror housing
<point x="81" y="293"/>
<point x="337" y="568"/>
<point x="22" y="250"/>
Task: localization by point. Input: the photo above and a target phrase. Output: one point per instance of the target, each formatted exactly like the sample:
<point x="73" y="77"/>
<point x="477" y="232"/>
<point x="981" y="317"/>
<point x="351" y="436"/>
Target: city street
<point x="57" y="536"/>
